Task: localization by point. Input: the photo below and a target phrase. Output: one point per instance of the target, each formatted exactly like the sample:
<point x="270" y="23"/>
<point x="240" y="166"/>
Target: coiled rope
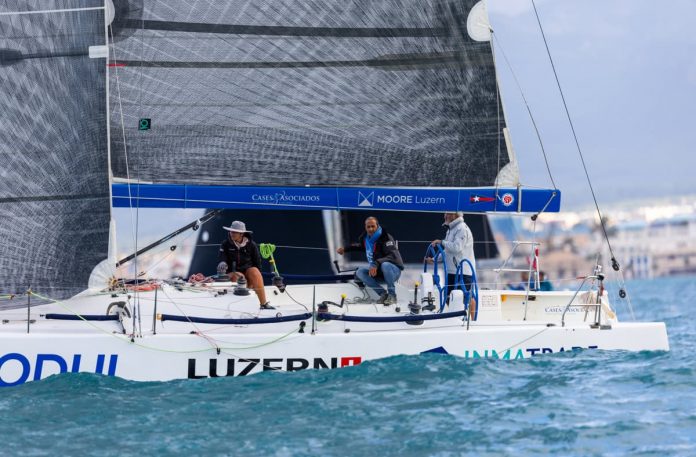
<point x="267" y="250"/>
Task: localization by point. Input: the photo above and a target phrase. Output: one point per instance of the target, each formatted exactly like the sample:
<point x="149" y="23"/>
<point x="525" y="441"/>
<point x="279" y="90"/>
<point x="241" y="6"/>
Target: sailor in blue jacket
<point x="383" y="258"/>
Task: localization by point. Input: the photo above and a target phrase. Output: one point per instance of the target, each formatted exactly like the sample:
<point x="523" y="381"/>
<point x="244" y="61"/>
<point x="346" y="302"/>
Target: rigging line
<point x="530" y="274"/>
<point x="152" y="348"/>
<point x="62" y="10"/>
<point x="526" y="339"/>
<point x="123" y="130"/>
<point x="137" y="175"/>
<point x="207" y="245"/>
<point x="621" y="281"/>
<point x="214" y="341"/>
<point x="615" y="264"/>
<point x="293" y="299"/>
<point x="497" y="107"/>
<point x="171" y="251"/>
<point x="134" y="221"/>
<point x="223" y="349"/>
<point x="198" y="331"/>
<point x="430" y="241"/>
<point x="529" y="109"/>
<point x="193" y="226"/>
<point x="109" y="157"/>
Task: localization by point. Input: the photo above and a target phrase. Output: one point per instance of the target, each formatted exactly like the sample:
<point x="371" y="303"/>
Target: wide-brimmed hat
<point x="237" y="226"/>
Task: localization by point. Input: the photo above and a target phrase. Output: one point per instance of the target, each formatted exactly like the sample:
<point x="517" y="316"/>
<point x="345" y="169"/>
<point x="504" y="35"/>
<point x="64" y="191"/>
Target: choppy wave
<point x="581" y="403"/>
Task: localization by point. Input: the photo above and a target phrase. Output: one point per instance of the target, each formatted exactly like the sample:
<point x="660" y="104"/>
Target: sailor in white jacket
<point x="458" y="245"/>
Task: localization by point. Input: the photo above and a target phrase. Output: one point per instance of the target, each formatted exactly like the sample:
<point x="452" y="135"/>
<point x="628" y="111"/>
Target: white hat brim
<point x="230" y="229"/>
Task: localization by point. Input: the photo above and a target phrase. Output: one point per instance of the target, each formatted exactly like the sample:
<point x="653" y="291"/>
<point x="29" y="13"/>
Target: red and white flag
<point x="480" y="199"/>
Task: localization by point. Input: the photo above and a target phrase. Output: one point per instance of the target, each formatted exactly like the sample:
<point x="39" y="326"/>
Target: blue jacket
<point x="385" y="249"/>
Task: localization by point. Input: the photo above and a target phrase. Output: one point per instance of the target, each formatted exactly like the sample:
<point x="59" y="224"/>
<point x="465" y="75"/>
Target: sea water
<point x="582" y="403"/>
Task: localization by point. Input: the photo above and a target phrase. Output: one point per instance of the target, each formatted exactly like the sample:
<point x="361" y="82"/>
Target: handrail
<point x="565" y="310"/>
<point x="438" y="252"/>
<point x="313" y="278"/>
<point x="383" y="319"/>
<point x="510" y="256"/>
<point x="245" y="321"/>
<point x="474" y="287"/>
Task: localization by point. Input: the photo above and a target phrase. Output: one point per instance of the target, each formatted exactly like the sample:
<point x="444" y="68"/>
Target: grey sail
<point x="54" y="194"/>
<point x="297" y="92"/>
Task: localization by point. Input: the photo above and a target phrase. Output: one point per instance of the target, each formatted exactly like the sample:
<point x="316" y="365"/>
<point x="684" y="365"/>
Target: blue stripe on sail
<point x="472" y="200"/>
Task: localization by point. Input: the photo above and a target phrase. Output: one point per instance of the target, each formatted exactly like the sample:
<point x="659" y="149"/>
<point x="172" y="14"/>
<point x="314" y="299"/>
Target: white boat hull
<point x="179" y="350"/>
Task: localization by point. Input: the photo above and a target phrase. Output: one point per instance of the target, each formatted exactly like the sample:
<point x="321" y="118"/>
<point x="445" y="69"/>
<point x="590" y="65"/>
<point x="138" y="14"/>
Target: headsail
<point x="298" y="92"/>
<point x="54" y="186"/>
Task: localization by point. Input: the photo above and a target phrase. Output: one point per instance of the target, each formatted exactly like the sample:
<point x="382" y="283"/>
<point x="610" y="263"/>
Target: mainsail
<point x="303" y="92"/>
<point x="54" y="186"/>
<point x="235" y="93"/>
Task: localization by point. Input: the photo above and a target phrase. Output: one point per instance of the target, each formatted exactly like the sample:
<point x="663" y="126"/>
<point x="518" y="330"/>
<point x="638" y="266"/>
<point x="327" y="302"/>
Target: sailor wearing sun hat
<point x="238" y="256"/>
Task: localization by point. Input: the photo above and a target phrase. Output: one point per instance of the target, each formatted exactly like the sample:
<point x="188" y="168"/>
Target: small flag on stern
<point x="480" y="199"/>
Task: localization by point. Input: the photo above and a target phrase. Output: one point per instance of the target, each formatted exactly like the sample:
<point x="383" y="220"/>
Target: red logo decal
<point x="480" y="199"/>
<point x="350" y="361"/>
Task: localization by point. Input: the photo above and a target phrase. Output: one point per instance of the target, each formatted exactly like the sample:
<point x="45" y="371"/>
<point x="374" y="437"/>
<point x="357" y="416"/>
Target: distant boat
<point x="274" y="105"/>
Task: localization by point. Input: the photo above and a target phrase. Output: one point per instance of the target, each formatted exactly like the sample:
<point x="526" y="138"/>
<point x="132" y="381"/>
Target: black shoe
<point x="267" y="305"/>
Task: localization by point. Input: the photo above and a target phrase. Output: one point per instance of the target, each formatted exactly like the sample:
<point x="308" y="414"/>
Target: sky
<point x="628" y="72"/>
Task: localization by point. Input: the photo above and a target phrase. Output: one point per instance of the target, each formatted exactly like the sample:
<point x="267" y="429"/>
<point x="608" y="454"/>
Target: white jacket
<point x="458" y="245"/>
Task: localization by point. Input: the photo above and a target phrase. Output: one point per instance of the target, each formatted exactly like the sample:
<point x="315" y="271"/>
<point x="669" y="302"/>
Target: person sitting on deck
<point x="240" y="257"/>
<point x="383" y="258"/>
<point x="523" y="284"/>
<point x="544" y="284"/>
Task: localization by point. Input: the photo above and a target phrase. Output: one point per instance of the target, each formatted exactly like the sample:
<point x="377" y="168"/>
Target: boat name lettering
<point x="243" y="367"/>
<point x="16" y="368"/>
<point x="410" y="200"/>
<point x="514" y="354"/>
<point x="560" y="309"/>
<point x="280" y="198"/>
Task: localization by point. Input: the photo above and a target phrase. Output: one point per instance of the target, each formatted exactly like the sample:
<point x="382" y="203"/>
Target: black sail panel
<point x="54" y="186"/>
<point x="303" y="92"/>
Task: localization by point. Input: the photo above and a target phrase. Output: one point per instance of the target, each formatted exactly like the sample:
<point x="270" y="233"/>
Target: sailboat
<point x="291" y="104"/>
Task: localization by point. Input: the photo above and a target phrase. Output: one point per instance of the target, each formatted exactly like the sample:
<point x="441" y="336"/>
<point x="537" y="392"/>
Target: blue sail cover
<point x="472" y="200"/>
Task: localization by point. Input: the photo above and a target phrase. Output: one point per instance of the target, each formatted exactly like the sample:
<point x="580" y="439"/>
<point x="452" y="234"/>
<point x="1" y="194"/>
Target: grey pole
<point x="28" y="306"/>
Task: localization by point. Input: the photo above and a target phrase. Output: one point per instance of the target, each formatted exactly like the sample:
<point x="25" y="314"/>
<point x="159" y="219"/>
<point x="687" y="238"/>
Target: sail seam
<point x="62" y="10"/>
<point x="282" y="30"/>
<point x="43" y="198"/>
